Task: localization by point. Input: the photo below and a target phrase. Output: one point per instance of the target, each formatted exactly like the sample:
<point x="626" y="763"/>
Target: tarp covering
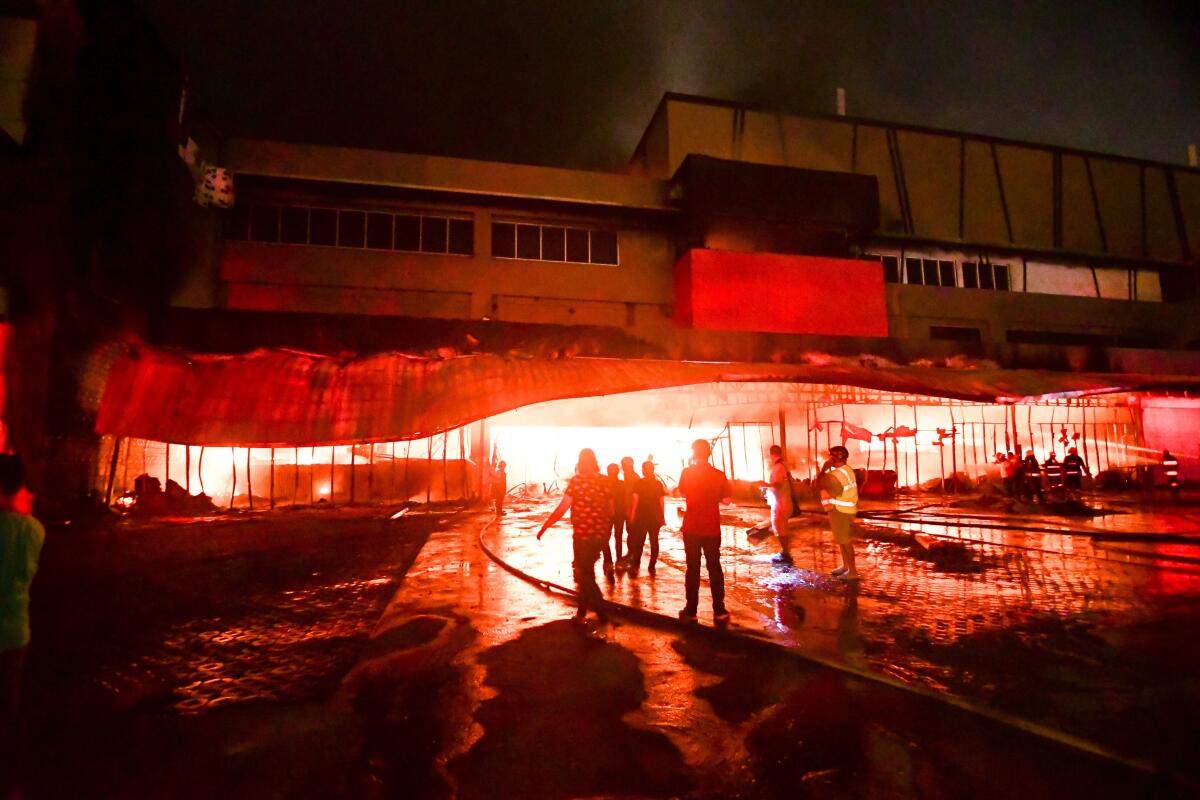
<point x="282" y="398"/>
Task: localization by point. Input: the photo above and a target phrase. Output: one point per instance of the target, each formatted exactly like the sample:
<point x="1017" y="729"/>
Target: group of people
<point x="621" y="507"/>
<point x="602" y="505"/>
<point x="1026" y="479"/>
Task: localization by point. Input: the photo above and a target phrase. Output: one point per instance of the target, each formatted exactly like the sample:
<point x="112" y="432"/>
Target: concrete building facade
<point x="1025" y="254"/>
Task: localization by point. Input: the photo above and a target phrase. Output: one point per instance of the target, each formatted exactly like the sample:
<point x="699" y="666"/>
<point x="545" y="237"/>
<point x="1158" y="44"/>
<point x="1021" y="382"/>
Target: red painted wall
<point x="767" y="292"/>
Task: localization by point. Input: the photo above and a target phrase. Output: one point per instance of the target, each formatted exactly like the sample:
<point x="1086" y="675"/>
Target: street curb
<point x="741" y="639"/>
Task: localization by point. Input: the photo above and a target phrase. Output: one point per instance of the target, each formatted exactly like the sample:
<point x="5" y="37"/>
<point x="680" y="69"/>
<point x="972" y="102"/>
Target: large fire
<point x="919" y="439"/>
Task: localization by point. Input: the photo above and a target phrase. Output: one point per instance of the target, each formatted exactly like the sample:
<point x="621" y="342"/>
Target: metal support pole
<point x="112" y="470"/>
<point x="271" y="499"/>
<point x="916" y="448"/>
<point x="249" y="481"/>
<point x="445" y="477"/>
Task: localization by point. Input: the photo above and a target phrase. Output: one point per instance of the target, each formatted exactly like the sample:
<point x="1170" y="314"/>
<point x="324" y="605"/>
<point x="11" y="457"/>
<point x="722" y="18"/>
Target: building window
<point x="930" y="268"/>
<point x="1000" y="271"/>
<point x="891" y="266"/>
<point x="504" y="240"/>
<point x="946" y="273"/>
<point x="379" y="231"/>
<point x="407" y="233"/>
<point x="530" y="242"/>
<point x="970" y="273"/>
<point x="912" y="271"/>
<point x="462" y="237"/>
<point x="322" y="226"/>
<point x="434" y="234"/>
<point x="294" y="226"/>
<point x="352" y="228"/>
<point x="891" y="269"/>
<point x="955" y="333"/>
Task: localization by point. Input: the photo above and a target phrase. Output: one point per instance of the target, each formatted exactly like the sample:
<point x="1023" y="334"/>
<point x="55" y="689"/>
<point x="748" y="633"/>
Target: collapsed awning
<point x="274" y="398"/>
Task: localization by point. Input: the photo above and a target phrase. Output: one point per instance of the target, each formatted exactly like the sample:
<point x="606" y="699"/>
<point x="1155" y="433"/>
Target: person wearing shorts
<point x="839" y="496"/>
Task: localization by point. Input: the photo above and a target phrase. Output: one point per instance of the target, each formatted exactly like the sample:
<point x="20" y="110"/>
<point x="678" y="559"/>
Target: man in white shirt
<point x="778" y="487"/>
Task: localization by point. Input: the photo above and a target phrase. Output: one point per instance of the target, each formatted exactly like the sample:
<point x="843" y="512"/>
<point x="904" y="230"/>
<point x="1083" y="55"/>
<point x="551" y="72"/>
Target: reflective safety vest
<point x="846" y="499"/>
<point x="1171" y="467"/>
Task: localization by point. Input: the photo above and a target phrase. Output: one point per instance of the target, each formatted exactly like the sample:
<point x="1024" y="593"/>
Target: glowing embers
<point x="161" y="478"/>
<point x="921" y="439"/>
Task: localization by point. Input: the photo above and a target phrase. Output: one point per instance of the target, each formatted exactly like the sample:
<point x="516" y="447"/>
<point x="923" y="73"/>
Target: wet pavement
<point x="187" y="633"/>
<point x="1037" y="618"/>
<point x="355" y="656"/>
<point x="503" y="697"/>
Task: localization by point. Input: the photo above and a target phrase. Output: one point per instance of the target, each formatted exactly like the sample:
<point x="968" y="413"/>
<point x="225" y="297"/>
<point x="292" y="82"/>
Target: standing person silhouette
<point x="21" y="538"/>
<point x="589" y="498"/>
<point x="704" y="487"/>
<point x="499" y="486"/>
<point x="839" y="496"/>
<point x="646" y="518"/>
<point x="778" y="487"/>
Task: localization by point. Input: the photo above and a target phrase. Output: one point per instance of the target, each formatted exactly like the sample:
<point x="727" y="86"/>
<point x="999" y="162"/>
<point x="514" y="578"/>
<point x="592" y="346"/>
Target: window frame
<point x="567" y="230"/>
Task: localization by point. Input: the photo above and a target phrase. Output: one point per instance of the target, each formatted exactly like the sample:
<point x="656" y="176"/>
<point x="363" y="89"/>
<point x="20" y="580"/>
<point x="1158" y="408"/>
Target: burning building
<point x="349" y="325"/>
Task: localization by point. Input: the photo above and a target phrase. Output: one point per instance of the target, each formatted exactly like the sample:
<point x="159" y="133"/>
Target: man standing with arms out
<point x="839" y="496"/>
<point x="704" y="487"/>
<point x="779" y="496"/>
<point x="1074" y="469"/>
<point x="646" y="517"/>
<point x="590" y="500"/>
<point x="21" y="538"/>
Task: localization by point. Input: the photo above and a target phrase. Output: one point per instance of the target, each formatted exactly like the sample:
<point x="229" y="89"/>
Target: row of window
<point x="944" y="272"/>
<point x="553" y="243"/>
<point x="416" y="233"/>
<point x="340" y="227"/>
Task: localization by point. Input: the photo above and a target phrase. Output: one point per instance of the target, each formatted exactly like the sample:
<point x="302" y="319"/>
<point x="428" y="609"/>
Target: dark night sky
<point x="574" y="83"/>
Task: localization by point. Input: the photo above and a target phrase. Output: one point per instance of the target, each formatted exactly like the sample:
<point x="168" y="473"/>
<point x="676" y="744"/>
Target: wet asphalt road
<point x="474" y="685"/>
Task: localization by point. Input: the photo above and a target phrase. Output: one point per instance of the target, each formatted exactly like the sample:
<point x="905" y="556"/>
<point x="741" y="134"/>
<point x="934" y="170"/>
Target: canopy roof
<point x="279" y="398"/>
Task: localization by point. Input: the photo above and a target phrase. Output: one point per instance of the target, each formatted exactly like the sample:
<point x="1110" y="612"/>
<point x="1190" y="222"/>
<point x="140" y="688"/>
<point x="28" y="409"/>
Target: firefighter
<point x="1032" y="477"/>
<point x="1074" y="469"/>
<point x="1170" y="466"/>
<point x="1054" y="475"/>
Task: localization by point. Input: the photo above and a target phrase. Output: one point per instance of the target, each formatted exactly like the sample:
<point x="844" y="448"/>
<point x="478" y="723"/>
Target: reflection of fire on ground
<point x="895" y="439"/>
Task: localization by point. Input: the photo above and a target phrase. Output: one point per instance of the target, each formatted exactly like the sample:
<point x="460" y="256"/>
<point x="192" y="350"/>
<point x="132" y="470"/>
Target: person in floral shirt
<point x="590" y="501"/>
